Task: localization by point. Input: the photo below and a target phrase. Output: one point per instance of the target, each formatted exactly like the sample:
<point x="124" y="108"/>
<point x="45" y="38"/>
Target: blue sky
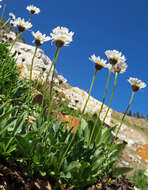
<point x="98" y="26"/>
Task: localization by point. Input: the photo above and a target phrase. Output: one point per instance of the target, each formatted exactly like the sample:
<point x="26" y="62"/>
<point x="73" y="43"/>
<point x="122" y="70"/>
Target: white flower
<point x="21" y="24"/>
<point x="99" y="63"/>
<point x="72" y="105"/>
<point x="56" y="81"/>
<point x="0" y="6"/>
<point x="11" y="22"/>
<point x="58" y="90"/>
<point x="61" y="79"/>
<point x="136" y="84"/>
<point x="10" y="36"/>
<point x="33" y="9"/>
<point x="12" y="16"/>
<point x="61" y="36"/>
<point x="115" y="56"/>
<point x="119" y="67"/>
<point x="40" y="38"/>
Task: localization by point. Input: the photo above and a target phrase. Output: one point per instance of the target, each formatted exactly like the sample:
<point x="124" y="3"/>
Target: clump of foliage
<point x="8" y="71"/>
<point x="41" y="147"/>
<point x="140" y="179"/>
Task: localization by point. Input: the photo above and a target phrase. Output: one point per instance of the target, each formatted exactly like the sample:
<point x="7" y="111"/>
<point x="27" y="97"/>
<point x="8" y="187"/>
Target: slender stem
<point x="18" y="35"/>
<point x="2" y="16"/>
<point x="5" y="23"/>
<point x="89" y="91"/>
<point x="98" y="115"/>
<point x="104" y="94"/>
<point x="51" y="66"/>
<point x="51" y="84"/>
<point x="115" y="81"/>
<point x="30" y="18"/>
<point x="69" y="145"/>
<point x="125" y="113"/>
<point x="32" y="63"/>
<point x="73" y="137"/>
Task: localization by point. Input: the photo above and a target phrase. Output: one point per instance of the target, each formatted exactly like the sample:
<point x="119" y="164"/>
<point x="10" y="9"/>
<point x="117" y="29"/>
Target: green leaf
<point x="106" y="135"/>
<point x="73" y="165"/>
<point x="65" y="175"/>
<point x="17" y="128"/>
<point x="98" y="162"/>
<point x="120" y="171"/>
<point x="4" y="116"/>
<point x="43" y="173"/>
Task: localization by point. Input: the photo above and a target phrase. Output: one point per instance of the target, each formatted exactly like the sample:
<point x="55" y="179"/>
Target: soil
<point x="11" y="178"/>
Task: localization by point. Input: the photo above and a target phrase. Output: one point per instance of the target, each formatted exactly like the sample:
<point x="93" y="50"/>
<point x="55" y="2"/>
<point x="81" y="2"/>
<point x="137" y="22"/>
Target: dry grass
<point x="140" y="125"/>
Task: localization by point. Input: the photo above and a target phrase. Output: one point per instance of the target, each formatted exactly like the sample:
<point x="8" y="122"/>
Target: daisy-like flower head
<point x="40" y="38"/>
<point x="120" y="67"/>
<point x="11" y="22"/>
<point x="61" y="79"/>
<point x="12" y="16"/>
<point x="136" y="84"/>
<point x="61" y="36"/>
<point x="21" y="24"/>
<point x="115" y="56"/>
<point x="33" y="10"/>
<point x="99" y="63"/>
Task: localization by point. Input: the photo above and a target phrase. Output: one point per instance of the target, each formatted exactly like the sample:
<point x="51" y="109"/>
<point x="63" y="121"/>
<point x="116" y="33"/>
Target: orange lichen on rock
<point x="72" y="121"/>
<point x="142" y="151"/>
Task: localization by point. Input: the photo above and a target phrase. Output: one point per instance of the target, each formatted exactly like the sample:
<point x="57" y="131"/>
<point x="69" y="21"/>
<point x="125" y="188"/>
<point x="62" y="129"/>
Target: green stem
<point x="5" y="23"/>
<point x="30" y="18"/>
<point x="50" y="69"/>
<point x="73" y="137"/>
<point x="115" y="81"/>
<point x="32" y="63"/>
<point x="2" y="16"/>
<point x="89" y="91"/>
<point x="98" y="115"/>
<point x="125" y="113"/>
<point x="105" y="94"/>
<point x="51" y="84"/>
<point x="18" y="35"/>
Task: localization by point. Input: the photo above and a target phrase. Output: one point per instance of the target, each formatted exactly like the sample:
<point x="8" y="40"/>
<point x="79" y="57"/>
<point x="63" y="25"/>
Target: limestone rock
<point x="41" y="66"/>
<point x="79" y="97"/>
<point x="42" y="63"/>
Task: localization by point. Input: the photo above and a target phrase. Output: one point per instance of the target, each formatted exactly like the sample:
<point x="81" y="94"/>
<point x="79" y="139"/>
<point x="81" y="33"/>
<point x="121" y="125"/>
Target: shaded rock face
<point x="79" y="97"/>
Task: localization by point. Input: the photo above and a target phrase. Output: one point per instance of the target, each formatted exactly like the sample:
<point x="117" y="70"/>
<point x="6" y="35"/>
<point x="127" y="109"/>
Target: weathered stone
<point x="41" y="65"/>
<point x="72" y="121"/>
<point x="79" y="97"/>
<point x="142" y="151"/>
